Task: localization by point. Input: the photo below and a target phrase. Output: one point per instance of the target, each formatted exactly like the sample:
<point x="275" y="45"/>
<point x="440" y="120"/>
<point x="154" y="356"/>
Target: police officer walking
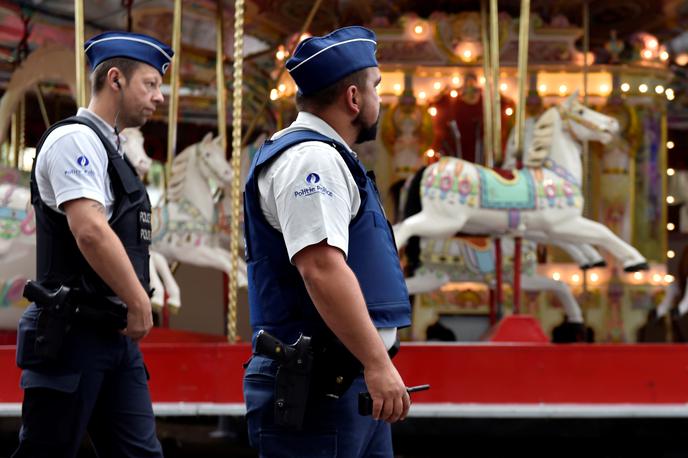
<point x="323" y="268"/>
<point x="78" y="341"/>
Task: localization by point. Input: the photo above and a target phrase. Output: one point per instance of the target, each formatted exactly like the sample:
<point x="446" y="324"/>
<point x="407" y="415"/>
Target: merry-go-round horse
<point x="185" y="224"/>
<point x="544" y="198"/>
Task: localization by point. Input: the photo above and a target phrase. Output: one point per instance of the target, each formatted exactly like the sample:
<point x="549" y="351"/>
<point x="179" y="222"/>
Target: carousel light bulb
<point x="509" y="111"/>
<point x="418" y="29"/>
<point x="397" y="88"/>
<point x="563" y="89"/>
<point x="282" y="87"/>
<point x="481" y="80"/>
<point x="625" y="87"/>
<point x="604" y="88"/>
<point x="669" y="278"/>
<point x="681" y="59"/>
<point x="638" y="276"/>
<point x="432" y="111"/>
<point x="669" y="94"/>
<point x="643" y="88"/>
<point x="659" y="89"/>
<point x="647" y="54"/>
<point x="671" y="172"/>
<point x="652" y="43"/>
<point x="556" y="276"/>
<point x="671" y="226"/>
<point x="671" y="254"/>
<point x="670" y="199"/>
<point x="575" y="278"/>
<point x="594" y="277"/>
<point x="454" y="93"/>
<point x="274" y="95"/>
<point x="280" y="54"/>
<point x="503" y="87"/>
<point x="542" y="88"/>
<point x="467" y="54"/>
<point x="422" y="95"/>
<point x="664" y="56"/>
<point x="656" y="278"/>
<point x="670" y="145"/>
<point x="456" y="81"/>
<point x="437" y="85"/>
<point x="430" y="153"/>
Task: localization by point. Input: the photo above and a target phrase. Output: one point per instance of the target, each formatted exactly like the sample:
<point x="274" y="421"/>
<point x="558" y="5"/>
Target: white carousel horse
<point x="544" y="197"/>
<point x="161" y="279"/>
<point x="466" y="259"/>
<point x="185" y="229"/>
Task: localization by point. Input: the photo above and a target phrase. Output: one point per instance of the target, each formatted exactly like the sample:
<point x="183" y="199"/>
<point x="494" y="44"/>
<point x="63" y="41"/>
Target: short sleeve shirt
<point x="73" y="164"/>
<point x="308" y="192"/>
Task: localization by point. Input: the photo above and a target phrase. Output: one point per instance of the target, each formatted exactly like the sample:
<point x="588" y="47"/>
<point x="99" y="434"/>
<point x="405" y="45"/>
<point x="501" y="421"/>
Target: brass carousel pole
<point x="587" y="173"/>
<point x="220" y="75"/>
<point x="174" y="94"/>
<point x="79" y="53"/>
<point x="523" y="35"/>
<point x="237" y="85"/>
<point x="488" y="154"/>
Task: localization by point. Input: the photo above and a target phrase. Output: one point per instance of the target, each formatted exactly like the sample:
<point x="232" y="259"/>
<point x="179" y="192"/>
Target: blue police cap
<point x="129" y="45"/>
<point x="319" y="62"/>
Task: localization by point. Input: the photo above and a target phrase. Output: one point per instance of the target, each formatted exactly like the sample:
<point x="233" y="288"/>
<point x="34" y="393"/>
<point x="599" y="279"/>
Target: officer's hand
<point x="391" y="402"/>
<point x="139" y="320"/>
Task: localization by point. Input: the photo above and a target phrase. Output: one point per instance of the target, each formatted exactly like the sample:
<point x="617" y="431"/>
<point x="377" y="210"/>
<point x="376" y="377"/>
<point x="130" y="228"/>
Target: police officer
<point x="93" y="234"/>
<point x="321" y="255"/>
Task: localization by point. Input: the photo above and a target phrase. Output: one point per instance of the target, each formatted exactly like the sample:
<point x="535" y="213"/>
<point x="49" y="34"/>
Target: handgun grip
<point x="270" y="346"/>
<point x="37" y="293"/>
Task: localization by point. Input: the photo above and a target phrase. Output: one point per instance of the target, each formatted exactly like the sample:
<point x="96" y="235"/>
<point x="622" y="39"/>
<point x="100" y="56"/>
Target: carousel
<point x="528" y="176"/>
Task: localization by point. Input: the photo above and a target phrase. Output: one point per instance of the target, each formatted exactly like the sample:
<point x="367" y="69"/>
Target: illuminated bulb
<point x="638" y="275"/>
<point x="482" y="80"/>
<point x="509" y="111"/>
<point x="682" y="59"/>
<point x="669" y="94"/>
<point x="432" y="111"/>
<point x="652" y="43"/>
<point x="669" y="278"/>
<point x="643" y="88"/>
<point x="670" y="145"/>
<point x="274" y="95"/>
<point x="542" y="88"/>
<point x="671" y="254"/>
<point x="282" y="87"/>
<point x="575" y="278"/>
<point x="670" y="199"/>
<point x="397" y="88"/>
<point x="671" y="172"/>
<point x="454" y="93"/>
<point x="594" y="277"/>
<point x="671" y="226"/>
<point x="625" y="87"/>
<point x="467" y="54"/>
<point x="563" y="89"/>
<point x="556" y="276"/>
<point x="437" y="85"/>
<point x="604" y="88"/>
<point x="656" y="278"/>
<point x="664" y="56"/>
<point x="418" y="29"/>
<point x="647" y="54"/>
<point x="456" y="81"/>
<point x="422" y="95"/>
<point x="659" y="89"/>
<point x="430" y="153"/>
<point x="280" y="54"/>
<point x="503" y="87"/>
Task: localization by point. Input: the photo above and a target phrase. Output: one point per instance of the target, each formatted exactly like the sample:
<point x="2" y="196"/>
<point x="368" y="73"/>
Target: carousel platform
<point x="201" y="375"/>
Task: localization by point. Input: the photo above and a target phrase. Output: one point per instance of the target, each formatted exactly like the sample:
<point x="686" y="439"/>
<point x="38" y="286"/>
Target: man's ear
<point x="353" y="99"/>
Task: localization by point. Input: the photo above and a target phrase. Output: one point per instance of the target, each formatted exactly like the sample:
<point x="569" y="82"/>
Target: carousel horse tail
<point x="413" y="205"/>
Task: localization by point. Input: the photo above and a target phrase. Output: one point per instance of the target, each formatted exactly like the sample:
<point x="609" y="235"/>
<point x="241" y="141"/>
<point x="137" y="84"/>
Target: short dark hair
<point x="99" y="75"/>
<point x="326" y="96"/>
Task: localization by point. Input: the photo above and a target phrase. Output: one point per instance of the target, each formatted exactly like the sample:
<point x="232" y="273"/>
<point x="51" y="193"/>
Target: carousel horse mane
<point x="544" y="130"/>
<point x="180" y="163"/>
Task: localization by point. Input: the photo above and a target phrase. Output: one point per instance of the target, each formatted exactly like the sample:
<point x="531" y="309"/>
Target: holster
<point x="61" y="308"/>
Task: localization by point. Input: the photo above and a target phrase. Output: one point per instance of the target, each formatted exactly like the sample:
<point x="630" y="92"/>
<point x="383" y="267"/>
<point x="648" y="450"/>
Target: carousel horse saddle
<point x="498" y="192"/>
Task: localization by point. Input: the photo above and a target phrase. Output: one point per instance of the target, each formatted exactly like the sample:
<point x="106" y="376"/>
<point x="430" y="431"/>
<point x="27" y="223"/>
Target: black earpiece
<point x="117" y="83"/>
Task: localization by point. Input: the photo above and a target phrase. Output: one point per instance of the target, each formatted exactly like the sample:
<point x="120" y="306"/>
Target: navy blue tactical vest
<point x="58" y="258"/>
<point x="278" y="300"/>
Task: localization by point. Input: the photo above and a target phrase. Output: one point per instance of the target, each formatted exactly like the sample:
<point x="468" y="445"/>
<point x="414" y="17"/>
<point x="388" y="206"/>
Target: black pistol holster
<point x="293" y="376"/>
<point x="61" y="308"/>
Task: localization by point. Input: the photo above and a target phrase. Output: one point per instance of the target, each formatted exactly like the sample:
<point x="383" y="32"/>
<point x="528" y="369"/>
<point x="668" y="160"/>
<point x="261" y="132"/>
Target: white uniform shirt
<point x="309" y="194"/>
<point x="73" y="163"/>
